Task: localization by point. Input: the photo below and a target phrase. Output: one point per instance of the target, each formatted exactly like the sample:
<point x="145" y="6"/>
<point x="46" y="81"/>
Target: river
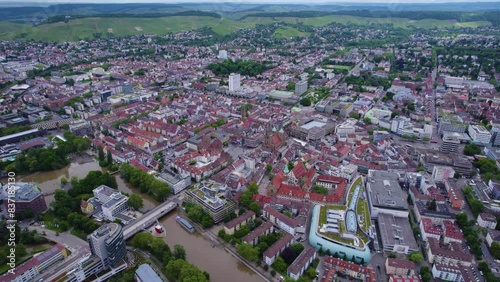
<point x="221" y="265"/>
<point x="49" y="181"/>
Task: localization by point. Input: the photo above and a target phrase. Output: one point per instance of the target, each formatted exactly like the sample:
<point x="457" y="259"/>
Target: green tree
<point x="367" y="120"/>
<point x="425" y="273"/>
<point x="179" y="252"/>
<point x="269" y="168"/>
<point x="142" y="240"/>
<point x="416" y="257"/>
<point x="254" y="207"/>
<point x="109" y="157"/>
<point x="280" y="265"/>
<point x="471" y="149"/>
<point x="248" y="251"/>
<point x="354" y="115"/>
<point x="306" y="102"/>
<point x="135" y="202"/>
<point x="100" y="153"/>
<point x="495" y="249"/>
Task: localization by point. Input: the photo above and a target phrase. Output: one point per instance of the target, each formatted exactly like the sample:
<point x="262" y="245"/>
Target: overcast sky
<point x="242" y="1"/>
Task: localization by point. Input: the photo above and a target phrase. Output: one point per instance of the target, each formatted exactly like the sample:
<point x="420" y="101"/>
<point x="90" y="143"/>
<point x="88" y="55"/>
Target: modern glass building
<point x="108" y="244"/>
<point x="318" y="240"/>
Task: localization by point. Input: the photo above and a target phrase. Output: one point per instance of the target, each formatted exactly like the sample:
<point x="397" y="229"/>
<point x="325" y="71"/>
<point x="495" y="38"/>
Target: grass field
<point x="86" y="28"/>
<point x="287" y="32"/>
<point x="338" y="67"/>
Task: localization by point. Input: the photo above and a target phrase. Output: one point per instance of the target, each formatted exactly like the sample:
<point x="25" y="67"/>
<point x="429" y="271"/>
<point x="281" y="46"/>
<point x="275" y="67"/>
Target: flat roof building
<point x="211" y="198"/>
<point x="176" y="181"/>
<point x="145" y="273"/>
<point x="479" y="134"/>
<point x="396" y="234"/>
<point x="385" y="194"/>
<point x="317" y="240"/>
<point x="27" y="197"/>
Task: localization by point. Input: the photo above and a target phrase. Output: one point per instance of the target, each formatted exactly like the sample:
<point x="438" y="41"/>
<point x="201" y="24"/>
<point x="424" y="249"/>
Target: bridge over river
<point x="148" y="219"/>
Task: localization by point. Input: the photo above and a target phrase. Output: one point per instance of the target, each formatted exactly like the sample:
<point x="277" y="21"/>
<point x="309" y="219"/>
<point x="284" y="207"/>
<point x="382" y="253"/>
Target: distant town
<point x="286" y="151"/>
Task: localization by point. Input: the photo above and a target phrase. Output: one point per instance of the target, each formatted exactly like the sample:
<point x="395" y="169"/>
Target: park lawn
<point x="287" y="32"/>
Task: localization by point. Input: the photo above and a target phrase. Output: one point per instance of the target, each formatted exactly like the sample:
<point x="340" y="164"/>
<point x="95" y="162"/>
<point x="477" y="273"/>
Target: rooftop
<point x="396" y="231"/>
<point x="146" y="273"/>
<point x="313" y="124"/>
<point x="384" y="190"/>
<point x="400" y="263"/>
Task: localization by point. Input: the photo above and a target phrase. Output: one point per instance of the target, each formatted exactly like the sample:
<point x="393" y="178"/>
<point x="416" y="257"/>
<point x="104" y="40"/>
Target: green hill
<point x="89" y="28"/>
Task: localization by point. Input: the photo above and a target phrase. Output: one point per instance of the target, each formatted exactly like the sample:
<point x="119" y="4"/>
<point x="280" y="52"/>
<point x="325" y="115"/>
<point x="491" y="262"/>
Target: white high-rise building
<point x="234" y="82"/>
<point x="301" y="87"/>
<point x="222" y="54"/>
<point x="479" y="134"/>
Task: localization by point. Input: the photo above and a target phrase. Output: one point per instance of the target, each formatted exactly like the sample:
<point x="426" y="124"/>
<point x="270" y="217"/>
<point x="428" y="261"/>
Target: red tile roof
<point x="430" y="228"/>
<point x="403" y="278"/>
<point x="452" y="231"/>
<point x="278" y="179"/>
<point x="340" y="265"/>
<point x="400" y="263"/>
<point x="299" y="170"/>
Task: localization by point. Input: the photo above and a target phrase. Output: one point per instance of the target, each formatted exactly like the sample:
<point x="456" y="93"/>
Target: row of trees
<point x="176" y="266"/>
<point x="471" y="234"/>
<point x="146" y="183"/>
<point x="13" y="129"/>
<point x="160" y="249"/>
<point x="106" y="160"/>
<point x="476" y="205"/>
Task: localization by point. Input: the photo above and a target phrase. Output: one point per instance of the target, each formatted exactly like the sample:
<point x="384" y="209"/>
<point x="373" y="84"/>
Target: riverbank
<point x="210" y="236"/>
<point x="222" y="264"/>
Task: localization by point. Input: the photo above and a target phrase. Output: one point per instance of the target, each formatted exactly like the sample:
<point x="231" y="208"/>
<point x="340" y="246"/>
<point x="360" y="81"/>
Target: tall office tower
<point x="234" y="82"/>
<point x="301" y="87"/>
<point x="108" y="244"/>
